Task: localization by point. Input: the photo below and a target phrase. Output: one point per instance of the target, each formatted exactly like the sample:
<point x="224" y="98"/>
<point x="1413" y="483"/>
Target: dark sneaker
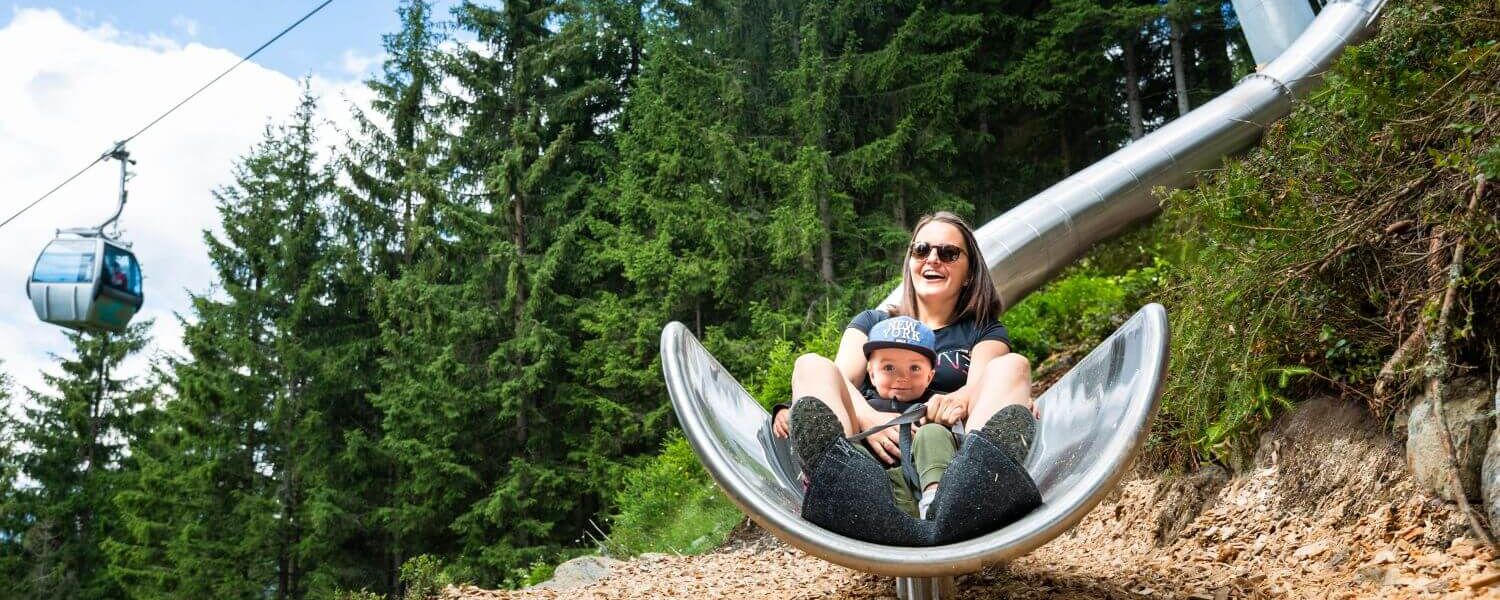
<point x="814" y="427"/>
<point x="1012" y="429"/>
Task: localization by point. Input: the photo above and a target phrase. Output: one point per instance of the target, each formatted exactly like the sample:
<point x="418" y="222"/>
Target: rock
<point x="1468" y="412"/>
<point x="1462" y="548"/>
<point x="1489" y="476"/>
<point x="1337" y="557"/>
<point x="1373" y="574"/>
<point x="578" y="572"/>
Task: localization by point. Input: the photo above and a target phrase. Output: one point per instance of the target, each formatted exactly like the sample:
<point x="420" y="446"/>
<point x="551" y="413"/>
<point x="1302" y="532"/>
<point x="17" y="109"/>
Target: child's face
<point x="899" y="374"/>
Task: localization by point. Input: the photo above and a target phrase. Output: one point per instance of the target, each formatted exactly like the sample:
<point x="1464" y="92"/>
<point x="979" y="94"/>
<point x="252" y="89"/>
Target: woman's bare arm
<point x="979" y="358"/>
<point x="851" y="363"/>
<point x="953" y="407"/>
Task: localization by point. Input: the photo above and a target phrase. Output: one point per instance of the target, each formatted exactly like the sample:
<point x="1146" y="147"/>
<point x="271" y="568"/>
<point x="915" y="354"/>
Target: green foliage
<point x="1295" y="274"/>
<point x="247" y="485"/>
<point x="772" y="383"/>
<point x="357" y="595"/>
<point x="538" y="572"/>
<point x="76" y="460"/>
<point x="424" y="577"/>
<point x="1079" y="308"/>
<point x="669" y="504"/>
<point x="441" y="339"/>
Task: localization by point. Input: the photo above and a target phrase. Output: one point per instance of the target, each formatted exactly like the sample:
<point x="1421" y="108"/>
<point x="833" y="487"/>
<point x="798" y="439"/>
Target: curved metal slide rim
<point x="773" y="506"/>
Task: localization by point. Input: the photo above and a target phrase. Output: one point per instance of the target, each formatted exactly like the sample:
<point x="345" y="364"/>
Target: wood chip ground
<point x="1244" y="544"/>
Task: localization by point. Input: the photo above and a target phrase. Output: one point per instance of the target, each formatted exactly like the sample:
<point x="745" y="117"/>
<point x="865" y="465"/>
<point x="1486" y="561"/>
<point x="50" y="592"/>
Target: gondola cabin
<point x="86" y="283"/>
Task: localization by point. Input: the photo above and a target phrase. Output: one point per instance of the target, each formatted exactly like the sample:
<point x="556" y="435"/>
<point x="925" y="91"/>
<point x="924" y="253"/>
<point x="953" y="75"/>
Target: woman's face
<point x="936" y="281"/>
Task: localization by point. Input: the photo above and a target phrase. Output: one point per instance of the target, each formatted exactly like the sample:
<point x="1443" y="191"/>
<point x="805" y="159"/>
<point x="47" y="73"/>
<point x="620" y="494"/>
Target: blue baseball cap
<point x="905" y="333"/>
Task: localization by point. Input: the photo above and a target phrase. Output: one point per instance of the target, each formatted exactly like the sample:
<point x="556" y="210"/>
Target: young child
<point x="987" y="486"/>
<point x="900" y="361"/>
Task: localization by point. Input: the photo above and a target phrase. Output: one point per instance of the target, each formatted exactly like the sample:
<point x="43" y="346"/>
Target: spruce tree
<point x="13" y="524"/>
<point x="498" y="463"/>
<point x="75" y="458"/>
<point x="394" y="160"/>
<point x="397" y="166"/>
<point x="245" y="487"/>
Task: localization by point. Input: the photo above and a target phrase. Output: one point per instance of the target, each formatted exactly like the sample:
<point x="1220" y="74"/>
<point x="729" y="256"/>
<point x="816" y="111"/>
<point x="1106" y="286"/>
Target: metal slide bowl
<point x="1093" y="423"/>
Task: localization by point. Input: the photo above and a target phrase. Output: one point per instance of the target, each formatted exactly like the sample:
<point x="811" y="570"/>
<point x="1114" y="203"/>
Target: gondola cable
<point x="113" y="150"/>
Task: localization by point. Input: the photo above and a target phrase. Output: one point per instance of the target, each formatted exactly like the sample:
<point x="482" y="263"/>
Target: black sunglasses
<point x="945" y="252"/>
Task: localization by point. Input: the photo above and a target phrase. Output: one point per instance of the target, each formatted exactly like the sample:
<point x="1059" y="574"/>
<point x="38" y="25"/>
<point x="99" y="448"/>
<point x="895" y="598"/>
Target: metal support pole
<point x="926" y="588"/>
<point x="121" y="154"/>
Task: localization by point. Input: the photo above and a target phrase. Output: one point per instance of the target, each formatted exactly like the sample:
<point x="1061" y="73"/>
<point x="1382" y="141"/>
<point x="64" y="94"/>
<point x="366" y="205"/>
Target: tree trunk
<point x="1066" y="151"/>
<point x="900" y="208"/>
<point x="1179" y="69"/>
<point x="91" y="445"/>
<point x="1133" y="89"/>
<point x="286" y="492"/>
<point x="825" y="267"/>
<point x="518" y="237"/>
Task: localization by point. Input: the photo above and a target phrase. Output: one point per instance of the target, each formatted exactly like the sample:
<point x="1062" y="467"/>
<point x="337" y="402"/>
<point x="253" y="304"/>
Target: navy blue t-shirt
<point x="954" y="342"/>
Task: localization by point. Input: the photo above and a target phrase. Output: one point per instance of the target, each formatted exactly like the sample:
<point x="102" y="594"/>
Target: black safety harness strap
<point x="906" y="420"/>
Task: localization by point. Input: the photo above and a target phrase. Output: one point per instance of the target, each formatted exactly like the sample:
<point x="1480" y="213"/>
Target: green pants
<point x="932" y="448"/>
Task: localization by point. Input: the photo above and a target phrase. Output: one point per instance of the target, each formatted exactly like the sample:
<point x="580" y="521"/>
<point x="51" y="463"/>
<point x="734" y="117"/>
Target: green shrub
<point x="424" y="577"/>
<point x="356" y="595"/>
<point x="669" y="504"/>
<point x="772" y="383"/>
<point x="1079" y="309"/>
<point x="1288" y="281"/>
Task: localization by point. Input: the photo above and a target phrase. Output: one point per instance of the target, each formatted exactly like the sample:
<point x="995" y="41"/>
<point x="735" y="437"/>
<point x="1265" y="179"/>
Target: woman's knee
<point x="1008" y="367"/>
<point x="811" y="363"/>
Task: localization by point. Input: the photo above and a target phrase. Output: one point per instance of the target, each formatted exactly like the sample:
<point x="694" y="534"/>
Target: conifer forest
<point x="436" y="335"/>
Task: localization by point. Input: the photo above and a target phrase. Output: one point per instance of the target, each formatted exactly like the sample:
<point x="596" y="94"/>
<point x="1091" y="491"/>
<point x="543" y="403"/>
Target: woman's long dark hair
<point x="978" y="297"/>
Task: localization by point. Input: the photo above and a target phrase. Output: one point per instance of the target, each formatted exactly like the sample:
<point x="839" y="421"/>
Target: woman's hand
<point x="780" y="424"/>
<point x="947" y="409"/>
<point x="885" y="445"/>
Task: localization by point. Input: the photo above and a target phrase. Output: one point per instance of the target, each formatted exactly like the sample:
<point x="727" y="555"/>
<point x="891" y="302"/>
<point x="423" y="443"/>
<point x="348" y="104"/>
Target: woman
<point x="945" y="285"/>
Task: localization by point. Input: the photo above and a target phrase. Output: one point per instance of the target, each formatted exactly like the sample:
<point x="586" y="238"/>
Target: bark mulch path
<point x="1241" y="546"/>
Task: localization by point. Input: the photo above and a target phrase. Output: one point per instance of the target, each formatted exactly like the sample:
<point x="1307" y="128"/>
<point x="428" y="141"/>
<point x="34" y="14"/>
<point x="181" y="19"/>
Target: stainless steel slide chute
<point x="1093" y="422"/>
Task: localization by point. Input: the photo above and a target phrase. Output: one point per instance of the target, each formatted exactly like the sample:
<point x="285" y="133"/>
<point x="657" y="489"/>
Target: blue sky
<point x="78" y="75"/>
<point x="346" y="29"/>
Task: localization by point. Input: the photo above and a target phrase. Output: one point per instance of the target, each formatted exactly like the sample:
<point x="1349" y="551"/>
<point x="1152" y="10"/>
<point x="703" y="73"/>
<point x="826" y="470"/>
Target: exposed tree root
<point x="1437" y="374"/>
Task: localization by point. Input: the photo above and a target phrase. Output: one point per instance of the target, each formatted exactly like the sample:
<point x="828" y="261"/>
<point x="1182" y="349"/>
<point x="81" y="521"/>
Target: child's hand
<point x="885" y="445"/>
<point x="947" y="409"/>
<point x="779" y="424"/>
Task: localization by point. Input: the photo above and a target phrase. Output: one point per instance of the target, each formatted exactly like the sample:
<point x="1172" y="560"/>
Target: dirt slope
<point x="1327" y="512"/>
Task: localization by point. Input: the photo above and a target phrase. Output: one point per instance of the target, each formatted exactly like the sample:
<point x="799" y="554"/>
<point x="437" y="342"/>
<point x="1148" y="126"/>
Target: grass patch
<point x="669" y="504"/>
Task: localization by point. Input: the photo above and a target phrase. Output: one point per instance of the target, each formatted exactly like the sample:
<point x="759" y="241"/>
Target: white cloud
<point x="185" y="25"/>
<point x="356" y="64"/>
<point x="67" y="93"/>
